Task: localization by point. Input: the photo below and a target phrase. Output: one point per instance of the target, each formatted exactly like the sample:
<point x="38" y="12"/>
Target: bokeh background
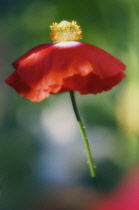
<point x="43" y="164"/>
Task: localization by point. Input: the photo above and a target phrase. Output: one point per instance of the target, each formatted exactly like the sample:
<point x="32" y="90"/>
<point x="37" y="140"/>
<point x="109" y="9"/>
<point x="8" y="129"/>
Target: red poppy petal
<point x="53" y="68"/>
<point x="95" y="85"/>
<point x="48" y="65"/>
<point x="30" y="52"/>
<point x="24" y="90"/>
<point x="104" y="64"/>
<point x="91" y="83"/>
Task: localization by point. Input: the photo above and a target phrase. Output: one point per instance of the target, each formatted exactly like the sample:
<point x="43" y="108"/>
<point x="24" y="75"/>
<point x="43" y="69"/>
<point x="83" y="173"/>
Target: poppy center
<point x="65" y="31"/>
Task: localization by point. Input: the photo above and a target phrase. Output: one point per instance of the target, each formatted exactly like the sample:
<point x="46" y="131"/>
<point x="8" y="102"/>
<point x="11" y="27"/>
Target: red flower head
<point x="65" y="65"/>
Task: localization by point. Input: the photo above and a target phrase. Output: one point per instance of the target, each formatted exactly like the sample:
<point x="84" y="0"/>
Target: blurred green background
<point x="42" y="158"/>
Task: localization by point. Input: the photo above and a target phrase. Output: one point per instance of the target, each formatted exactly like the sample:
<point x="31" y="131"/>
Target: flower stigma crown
<point x="65" y="31"/>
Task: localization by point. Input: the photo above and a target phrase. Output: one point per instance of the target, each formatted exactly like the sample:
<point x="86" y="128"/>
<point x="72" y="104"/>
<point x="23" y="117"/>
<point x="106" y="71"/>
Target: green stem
<point x="84" y="136"/>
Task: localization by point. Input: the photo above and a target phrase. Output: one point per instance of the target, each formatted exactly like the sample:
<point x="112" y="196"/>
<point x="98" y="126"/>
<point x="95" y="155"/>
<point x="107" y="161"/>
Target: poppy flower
<point x="65" y="65"/>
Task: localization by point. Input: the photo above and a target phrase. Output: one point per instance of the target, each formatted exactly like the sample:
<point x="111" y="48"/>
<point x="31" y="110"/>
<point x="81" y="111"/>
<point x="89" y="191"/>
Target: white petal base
<point x="67" y="44"/>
